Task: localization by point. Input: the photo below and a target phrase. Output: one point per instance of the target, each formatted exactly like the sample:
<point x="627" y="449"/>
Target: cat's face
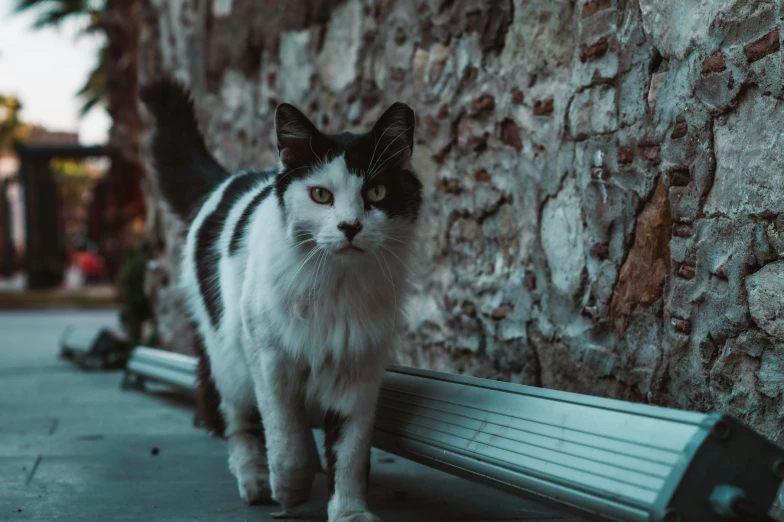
<point x="348" y="195"/>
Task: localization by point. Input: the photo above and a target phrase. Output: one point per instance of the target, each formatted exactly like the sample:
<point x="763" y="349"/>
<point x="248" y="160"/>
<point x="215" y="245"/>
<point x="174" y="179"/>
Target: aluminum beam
<point x="94" y="348"/>
<point x="161" y="366"/>
<point x="604" y="459"/>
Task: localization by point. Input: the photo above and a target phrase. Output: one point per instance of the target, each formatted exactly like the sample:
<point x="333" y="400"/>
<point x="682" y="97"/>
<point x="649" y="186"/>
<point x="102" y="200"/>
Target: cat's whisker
<point x="310" y="142"/>
<point x="375" y="145"/>
<point x="295" y="245"/>
<point x="316" y="284"/>
<point x="287" y="125"/>
<point x="394" y="289"/>
<point x="292" y="171"/>
<point x="396" y="240"/>
<point x="303" y="234"/>
<point x="407" y="240"/>
<point x="378" y="260"/>
<point x="390" y="144"/>
<point x="311" y="282"/>
<point x="372" y="168"/>
<point x="378" y="169"/>
<point x="398" y="258"/>
<point x="308" y="258"/>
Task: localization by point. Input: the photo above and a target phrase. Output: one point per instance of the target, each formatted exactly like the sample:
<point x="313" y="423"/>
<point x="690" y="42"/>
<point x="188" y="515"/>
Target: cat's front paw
<point x="355" y="516"/>
<point x="255" y="488"/>
<point x="292" y="482"/>
<point x="290" y="497"/>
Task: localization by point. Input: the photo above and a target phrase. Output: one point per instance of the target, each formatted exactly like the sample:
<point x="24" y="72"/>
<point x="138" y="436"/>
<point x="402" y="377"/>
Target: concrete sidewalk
<point x="74" y="447"/>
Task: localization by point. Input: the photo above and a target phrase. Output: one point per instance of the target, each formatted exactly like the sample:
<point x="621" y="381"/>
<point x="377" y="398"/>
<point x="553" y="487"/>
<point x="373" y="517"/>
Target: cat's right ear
<point x="295" y="134"/>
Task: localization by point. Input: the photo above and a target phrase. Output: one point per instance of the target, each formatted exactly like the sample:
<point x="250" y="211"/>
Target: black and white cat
<point x="295" y="277"/>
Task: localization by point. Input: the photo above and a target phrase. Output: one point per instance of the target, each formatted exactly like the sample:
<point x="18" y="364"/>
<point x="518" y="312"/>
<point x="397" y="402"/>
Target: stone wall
<point x="604" y="178"/>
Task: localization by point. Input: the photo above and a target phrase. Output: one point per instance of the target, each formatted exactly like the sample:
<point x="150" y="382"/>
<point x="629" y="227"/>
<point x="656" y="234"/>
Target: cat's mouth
<point x="350" y="250"/>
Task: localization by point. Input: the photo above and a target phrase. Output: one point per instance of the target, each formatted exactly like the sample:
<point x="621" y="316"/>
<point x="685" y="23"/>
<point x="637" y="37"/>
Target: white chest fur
<point x="322" y="313"/>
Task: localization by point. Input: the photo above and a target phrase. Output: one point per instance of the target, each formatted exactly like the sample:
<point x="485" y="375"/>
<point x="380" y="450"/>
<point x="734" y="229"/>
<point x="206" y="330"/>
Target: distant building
<point x="40" y="134"/>
<point x="11" y="189"/>
<point x="9" y="163"/>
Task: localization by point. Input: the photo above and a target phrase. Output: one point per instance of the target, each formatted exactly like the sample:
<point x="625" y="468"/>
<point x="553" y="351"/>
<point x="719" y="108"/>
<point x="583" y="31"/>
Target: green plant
<point x="11" y="127"/>
<point x="135" y="308"/>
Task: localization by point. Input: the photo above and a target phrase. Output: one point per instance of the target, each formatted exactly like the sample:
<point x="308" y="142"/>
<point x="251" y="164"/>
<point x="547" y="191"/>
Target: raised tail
<point x="186" y="171"/>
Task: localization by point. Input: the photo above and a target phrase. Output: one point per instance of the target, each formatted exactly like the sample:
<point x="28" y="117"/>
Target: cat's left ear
<point x="395" y="131"/>
<point x="295" y="134"/>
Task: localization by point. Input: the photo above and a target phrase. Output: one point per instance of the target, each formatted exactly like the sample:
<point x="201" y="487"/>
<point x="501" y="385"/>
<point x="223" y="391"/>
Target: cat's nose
<point x="350" y="229"/>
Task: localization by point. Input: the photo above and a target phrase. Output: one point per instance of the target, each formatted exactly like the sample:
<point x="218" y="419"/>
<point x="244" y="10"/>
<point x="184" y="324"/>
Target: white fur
<point x="304" y="329"/>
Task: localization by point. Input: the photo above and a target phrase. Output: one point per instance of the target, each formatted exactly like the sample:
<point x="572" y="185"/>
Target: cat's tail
<point x="186" y="172"/>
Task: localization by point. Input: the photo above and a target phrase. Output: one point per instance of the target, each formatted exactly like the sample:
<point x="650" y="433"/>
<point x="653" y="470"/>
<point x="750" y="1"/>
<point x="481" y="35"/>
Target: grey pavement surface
<point x="74" y="447"/>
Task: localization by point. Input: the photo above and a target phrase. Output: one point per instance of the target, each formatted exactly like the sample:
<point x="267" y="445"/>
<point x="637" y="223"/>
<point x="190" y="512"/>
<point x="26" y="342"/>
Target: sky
<point x="45" y="68"/>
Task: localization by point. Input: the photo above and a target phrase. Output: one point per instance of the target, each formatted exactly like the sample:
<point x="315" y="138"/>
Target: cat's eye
<point x="321" y="195"/>
<point x="377" y="193"/>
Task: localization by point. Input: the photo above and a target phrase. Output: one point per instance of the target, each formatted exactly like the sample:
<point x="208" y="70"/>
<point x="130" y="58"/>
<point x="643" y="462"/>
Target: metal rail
<point x="94" y="348"/>
<point x="604" y="459"/>
<point x="151" y="364"/>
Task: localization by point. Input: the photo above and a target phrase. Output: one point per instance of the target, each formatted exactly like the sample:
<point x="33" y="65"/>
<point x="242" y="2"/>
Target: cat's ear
<point x="395" y="130"/>
<point x="295" y="134"/>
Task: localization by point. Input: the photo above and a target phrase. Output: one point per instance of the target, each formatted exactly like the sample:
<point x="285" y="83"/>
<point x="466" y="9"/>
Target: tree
<point x="11" y="126"/>
<point x="112" y="84"/>
<point x="51" y="14"/>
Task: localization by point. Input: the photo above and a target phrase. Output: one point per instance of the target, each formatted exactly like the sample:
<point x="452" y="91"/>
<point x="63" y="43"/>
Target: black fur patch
<point x="207" y="396"/>
<point x="241" y="228"/>
<point x="333" y="429"/>
<point x="186" y="172"/>
<point x="206" y="254"/>
<point x="208" y="401"/>
<point x="381" y="156"/>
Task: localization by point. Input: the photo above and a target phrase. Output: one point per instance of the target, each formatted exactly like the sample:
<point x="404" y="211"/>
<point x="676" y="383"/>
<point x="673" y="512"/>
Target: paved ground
<point x="73" y="447"/>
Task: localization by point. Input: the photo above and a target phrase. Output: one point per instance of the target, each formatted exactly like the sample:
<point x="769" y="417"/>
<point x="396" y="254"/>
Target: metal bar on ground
<point x="161" y="366"/>
<point x="604" y="459"/>
<point x="94" y="348"/>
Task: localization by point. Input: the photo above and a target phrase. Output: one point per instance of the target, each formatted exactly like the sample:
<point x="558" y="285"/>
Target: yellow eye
<point x="376" y="193"/>
<point x="321" y="195"/>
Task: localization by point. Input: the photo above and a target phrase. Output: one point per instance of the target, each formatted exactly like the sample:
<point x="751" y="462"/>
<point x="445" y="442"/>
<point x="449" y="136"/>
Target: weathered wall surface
<point x="605" y="178"/>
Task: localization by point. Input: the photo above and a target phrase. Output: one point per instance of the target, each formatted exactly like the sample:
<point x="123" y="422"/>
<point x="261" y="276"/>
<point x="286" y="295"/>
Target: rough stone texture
<point x="562" y="239"/>
<point x="766" y="298"/>
<point x="604" y="188"/>
<point x="749" y="173"/>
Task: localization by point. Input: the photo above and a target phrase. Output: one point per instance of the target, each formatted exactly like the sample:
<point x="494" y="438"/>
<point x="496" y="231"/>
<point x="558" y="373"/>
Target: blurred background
<point x="605" y="204"/>
<point x="71" y="202"/>
<point x="71" y="209"/>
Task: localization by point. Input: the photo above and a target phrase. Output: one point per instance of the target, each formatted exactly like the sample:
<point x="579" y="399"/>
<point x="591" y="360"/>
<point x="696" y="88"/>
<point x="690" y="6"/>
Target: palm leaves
<point x="94" y="91"/>
<point x="51" y="13"/>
